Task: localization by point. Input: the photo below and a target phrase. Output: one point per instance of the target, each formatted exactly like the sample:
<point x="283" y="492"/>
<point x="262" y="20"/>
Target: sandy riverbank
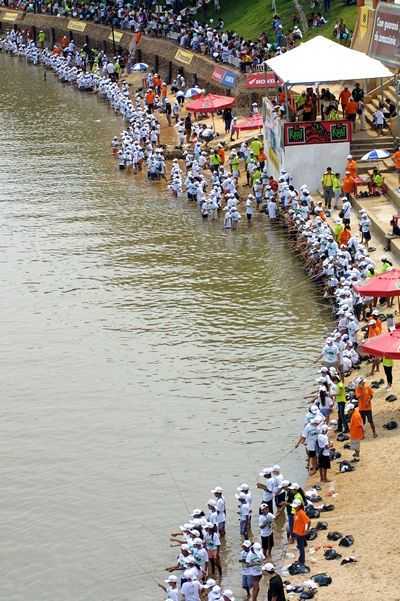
<point x="365" y="506"/>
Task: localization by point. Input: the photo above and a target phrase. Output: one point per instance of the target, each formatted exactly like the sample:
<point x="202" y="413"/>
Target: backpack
<point x="322" y="579"/>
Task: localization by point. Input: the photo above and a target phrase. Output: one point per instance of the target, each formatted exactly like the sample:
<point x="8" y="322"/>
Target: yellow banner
<point x="9" y="16"/>
<point x="117" y="36"/>
<point x="74" y="25"/>
<point x="184" y="56"/>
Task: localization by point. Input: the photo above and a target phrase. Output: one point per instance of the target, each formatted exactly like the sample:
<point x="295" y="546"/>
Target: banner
<point x="117" y="36"/>
<point x="262" y="80"/>
<point x="184" y="56"/>
<point x="224" y="77"/>
<point x="385" y="43"/>
<point x="317" y="132"/>
<point x="363" y="21"/>
<point x="9" y="16"/>
<point x="75" y="25"/>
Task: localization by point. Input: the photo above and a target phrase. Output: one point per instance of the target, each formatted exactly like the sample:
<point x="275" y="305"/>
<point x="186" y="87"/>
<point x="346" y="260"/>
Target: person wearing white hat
<point x="265" y="522"/>
<point x="200" y="556"/>
<point x="276" y="590"/>
<point x="212" y="515"/>
<point x="181" y="563"/>
<point x="227" y="595"/>
<point x="255" y="559"/>
<point x="245" y="570"/>
<point x="171" y="589"/>
<point x="221" y="509"/>
<point x="191" y="588"/>
<point x="212" y="543"/>
<point x="215" y="593"/>
<point x="244" y="513"/>
<point x="267" y="488"/>
<point x="309" y="439"/>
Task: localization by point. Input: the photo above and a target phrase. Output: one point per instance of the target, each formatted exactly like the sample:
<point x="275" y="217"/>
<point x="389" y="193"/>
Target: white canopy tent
<point x="321" y="61"/>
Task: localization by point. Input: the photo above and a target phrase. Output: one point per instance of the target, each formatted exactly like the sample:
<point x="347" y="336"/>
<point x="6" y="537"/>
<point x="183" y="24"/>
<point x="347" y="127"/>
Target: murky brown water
<point x="145" y="355"/>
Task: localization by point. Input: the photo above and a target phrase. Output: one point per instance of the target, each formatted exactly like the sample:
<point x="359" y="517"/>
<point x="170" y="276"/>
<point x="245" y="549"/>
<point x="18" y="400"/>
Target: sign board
<point x="9" y="16"/>
<point x="224" y="77"/>
<point x="317" y="132"/>
<point x="385" y="42"/>
<point x="75" y="25"/>
<point x="262" y="79"/>
<point x="117" y="36"/>
<point x="184" y="56"/>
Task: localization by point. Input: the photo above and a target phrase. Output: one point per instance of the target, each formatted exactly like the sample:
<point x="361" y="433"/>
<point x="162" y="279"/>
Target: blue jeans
<point x="244" y="527"/>
<point x="301" y="545"/>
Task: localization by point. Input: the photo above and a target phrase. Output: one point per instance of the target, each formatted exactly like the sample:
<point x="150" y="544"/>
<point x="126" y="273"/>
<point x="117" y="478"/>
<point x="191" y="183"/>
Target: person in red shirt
<point x="273" y="183"/>
<point x="344" y="97"/>
<point x="396" y="161"/>
<point x="301" y="524"/>
<point x="351" y="166"/>
<point x="364" y="395"/>
<point x="356" y="428"/>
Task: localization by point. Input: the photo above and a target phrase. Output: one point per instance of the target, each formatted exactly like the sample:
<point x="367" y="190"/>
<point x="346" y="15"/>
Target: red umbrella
<point x="253" y="122"/>
<point x="384" y="345"/>
<point x="382" y="285"/>
<point x="210" y="103"/>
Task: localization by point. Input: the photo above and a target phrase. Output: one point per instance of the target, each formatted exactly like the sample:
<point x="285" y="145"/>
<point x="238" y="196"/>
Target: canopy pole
<point x="286" y="103"/>
<point x="212" y="115"/>
<point x="381" y="90"/>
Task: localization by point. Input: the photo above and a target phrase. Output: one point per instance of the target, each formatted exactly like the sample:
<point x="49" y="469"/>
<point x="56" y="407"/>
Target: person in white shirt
<point x="191" y="588"/>
<point x="245" y="570"/>
<point x="255" y="559"/>
<point x="244" y="512"/>
<point x="221" y="509"/>
<point x="171" y="589"/>
<point x="212" y="515"/>
<point x="265" y="523"/>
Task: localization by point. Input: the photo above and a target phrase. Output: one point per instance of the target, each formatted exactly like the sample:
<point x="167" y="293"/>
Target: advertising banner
<point x="317" y="132"/>
<point x="9" y="16"/>
<point x="262" y="79"/>
<point x="385" y="42"/>
<point x="117" y="36"/>
<point x="224" y="77"/>
<point x="75" y="25"/>
<point x="184" y="56"/>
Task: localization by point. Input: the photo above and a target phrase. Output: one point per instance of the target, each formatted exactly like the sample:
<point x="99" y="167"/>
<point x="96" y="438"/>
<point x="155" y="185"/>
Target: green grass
<point x="249" y="18"/>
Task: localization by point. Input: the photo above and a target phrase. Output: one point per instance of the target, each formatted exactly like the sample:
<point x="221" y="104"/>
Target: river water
<point x="146" y="356"/>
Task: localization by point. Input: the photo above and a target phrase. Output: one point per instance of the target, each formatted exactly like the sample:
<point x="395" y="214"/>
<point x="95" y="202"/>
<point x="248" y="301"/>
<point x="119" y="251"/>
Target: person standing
<point x="364" y="395"/>
<point x="356" y="429"/>
<point x="327" y="181"/>
<point x="344" y="98"/>
<point x="265" y="522"/>
<point x="188" y="127"/>
<point x="246" y="570"/>
<point x="300" y="526"/>
<point x="388" y="369"/>
<point x="276" y="590"/>
<point x="341" y="405"/>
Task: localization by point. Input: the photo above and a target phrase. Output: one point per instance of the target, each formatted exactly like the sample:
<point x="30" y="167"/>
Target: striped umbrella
<point x="193" y="92"/>
<point x="140" y="67"/>
<point x="375" y="155"/>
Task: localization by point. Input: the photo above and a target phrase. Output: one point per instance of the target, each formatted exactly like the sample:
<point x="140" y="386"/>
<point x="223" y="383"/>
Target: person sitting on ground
<point x="389" y="109"/>
<point x="377" y="184"/>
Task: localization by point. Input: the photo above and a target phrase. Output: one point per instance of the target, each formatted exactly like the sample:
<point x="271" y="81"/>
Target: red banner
<point x="385" y="42"/>
<point x="317" y="132"/>
<point x="262" y="79"/>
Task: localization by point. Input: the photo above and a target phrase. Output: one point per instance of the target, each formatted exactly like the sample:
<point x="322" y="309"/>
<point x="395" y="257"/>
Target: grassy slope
<point x="250" y="17"/>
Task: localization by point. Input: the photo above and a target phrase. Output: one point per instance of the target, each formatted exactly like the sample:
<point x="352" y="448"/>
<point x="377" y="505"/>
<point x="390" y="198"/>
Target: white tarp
<point x="321" y="60"/>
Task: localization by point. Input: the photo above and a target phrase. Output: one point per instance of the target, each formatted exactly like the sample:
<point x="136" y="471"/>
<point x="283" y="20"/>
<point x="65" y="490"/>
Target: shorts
<point x="312" y="453"/>
<point x="355" y="445"/>
<point x="367" y="415"/>
<point x="324" y="462"/>
<point x="267" y="542"/>
<point x="247" y="581"/>
<point x="367" y="236"/>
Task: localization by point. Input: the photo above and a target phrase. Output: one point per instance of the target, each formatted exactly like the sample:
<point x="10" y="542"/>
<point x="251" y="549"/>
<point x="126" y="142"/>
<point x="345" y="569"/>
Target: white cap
<point x="296" y="504"/>
<point x="276" y="468"/>
<point x="294" y="486"/>
<point x="268" y="567"/>
<point x="349" y="156"/>
<point x="257" y="546"/>
<point x="228" y="594"/>
<point x="246" y="543"/>
<point x="210" y="583"/>
<point x="265" y="471"/>
<point x="349" y="407"/>
<point x="218" y="490"/>
<point x="243" y="487"/>
<point x="241" y="496"/>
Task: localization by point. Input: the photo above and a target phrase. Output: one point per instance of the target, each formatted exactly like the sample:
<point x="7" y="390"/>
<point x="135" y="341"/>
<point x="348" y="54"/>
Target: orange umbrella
<point x="210" y="103"/>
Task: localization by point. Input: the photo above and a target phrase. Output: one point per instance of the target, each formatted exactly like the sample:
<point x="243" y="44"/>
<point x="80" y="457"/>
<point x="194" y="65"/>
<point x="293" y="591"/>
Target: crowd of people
<point x="335" y="258"/>
<point x="186" y="25"/>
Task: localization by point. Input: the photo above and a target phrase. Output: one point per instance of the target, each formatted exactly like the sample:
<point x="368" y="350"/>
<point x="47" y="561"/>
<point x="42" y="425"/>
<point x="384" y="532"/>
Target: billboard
<point x="317" y="132"/>
<point x="385" y="42"/>
<point x="262" y="79"/>
<point x="224" y="77"/>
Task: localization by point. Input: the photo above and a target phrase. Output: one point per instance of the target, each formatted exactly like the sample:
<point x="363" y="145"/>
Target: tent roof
<point x="321" y="60"/>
